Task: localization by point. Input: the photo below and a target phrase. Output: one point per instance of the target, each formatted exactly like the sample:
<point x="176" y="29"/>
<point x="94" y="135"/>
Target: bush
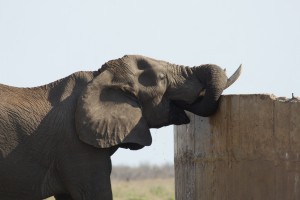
<point x="142" y="172"/>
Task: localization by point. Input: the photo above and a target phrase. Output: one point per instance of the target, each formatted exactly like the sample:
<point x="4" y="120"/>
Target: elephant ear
<point x="108" y="114"/>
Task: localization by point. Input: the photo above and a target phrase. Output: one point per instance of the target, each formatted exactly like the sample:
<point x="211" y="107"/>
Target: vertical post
<point x="250" y="149"/>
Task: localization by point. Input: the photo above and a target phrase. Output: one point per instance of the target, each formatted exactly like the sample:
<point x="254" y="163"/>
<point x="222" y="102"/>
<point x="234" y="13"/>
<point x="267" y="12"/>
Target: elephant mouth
<point x="182" y="106"/>
<point x="178" y="115"/>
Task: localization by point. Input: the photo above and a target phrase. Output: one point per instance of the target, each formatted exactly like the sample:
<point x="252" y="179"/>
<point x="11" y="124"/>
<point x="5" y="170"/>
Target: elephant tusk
<point x="234" y="77"/>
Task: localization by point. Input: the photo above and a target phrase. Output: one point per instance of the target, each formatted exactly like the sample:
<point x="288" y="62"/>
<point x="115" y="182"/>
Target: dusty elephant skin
<point x="57" y="139"/>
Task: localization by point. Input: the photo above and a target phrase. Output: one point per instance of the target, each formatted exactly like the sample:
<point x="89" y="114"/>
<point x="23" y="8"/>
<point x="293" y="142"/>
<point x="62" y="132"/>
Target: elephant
<point x="57" y="139"/>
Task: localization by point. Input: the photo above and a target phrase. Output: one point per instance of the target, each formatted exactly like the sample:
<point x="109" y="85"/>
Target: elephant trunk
<point x="214" y="81"/>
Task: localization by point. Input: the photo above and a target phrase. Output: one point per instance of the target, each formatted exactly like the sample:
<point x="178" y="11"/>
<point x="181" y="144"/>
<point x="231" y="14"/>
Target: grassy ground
<point x="152" y="189"/>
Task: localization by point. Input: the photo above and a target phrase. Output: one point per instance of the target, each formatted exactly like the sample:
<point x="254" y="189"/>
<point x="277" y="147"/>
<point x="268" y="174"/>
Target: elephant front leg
<point x="102" y="195"/>
<point x="92" y="189"/>
<point x="86" y="175"/>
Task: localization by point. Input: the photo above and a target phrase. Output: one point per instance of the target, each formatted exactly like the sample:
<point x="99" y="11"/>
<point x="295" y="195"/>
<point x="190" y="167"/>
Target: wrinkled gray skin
<point x="57" y="139"/>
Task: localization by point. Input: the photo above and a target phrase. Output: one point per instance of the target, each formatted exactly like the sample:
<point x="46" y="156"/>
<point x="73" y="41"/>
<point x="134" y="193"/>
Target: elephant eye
<point x="161" y="76"/>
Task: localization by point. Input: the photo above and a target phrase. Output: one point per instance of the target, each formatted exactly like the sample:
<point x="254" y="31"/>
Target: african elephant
<point x="57" y="139"/>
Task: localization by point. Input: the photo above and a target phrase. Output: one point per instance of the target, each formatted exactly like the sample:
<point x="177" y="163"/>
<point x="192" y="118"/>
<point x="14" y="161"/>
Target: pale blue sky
<point x="42" y="41"/>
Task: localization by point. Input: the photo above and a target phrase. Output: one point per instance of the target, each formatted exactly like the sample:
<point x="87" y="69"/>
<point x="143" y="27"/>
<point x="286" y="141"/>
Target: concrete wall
<point x="249" y="150"/>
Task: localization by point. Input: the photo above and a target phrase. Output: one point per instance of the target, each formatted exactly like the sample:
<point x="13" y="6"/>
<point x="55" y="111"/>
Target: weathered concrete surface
<point x="249" y="150"/>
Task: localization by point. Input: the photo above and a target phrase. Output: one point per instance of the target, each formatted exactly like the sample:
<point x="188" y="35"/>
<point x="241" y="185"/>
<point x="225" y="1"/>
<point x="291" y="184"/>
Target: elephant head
<point x="135" y="93"/>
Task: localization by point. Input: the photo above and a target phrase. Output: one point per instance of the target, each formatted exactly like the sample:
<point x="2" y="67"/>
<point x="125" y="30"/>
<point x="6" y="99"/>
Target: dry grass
<point x="154" y="189"/>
